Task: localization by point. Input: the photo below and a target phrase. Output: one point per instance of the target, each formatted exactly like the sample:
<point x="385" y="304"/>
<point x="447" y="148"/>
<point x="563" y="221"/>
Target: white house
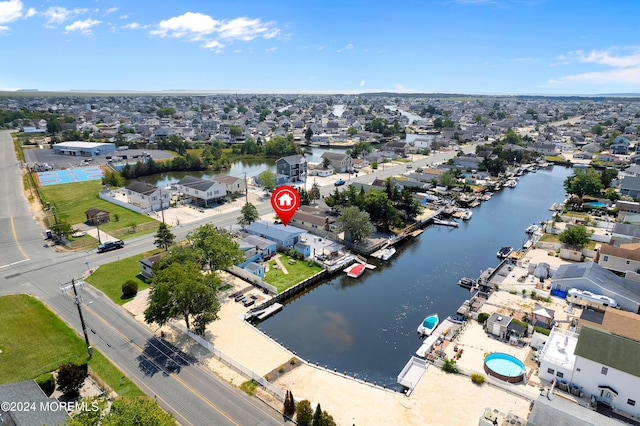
<point x="234" y="184"/>
<point x="201" y="191"/>
<point x="146" y="196"/>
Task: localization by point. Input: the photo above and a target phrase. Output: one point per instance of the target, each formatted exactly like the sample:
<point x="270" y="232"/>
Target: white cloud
<point x="124" y="16"/>
<point x="83" y="26"/>
<point x="4" y="28"/>
<point x="57" y="14"/>
<point x="347" y="47"/>
<point x="362" y="83"/>
<point x="111" y="10"/>
<point x="10" y="11"/>
<point x="194" y="26"/>
<point x="624" y="67"/>
<point x="135" y="26"/>
<point x="31" y="12"/>
<point x="271" y="49"/>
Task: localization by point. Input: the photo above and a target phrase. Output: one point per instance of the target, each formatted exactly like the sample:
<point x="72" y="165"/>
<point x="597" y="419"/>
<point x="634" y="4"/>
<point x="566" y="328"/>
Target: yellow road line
<point x="15" y="237"/>
<point x="139" y="349"/>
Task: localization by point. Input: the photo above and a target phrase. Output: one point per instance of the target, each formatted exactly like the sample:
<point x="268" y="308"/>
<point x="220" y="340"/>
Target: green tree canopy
<point x="181" y="289"/>
<point x="249" y="214"/>
<point x="381" y="210"/>
<point x="584" y="182"/>
<point x="576" y="236"/>
<point x="607" y="176"/>
<point x="308" y="134"/>
<point x="355" y="223"/>
<point x="218" y="249"/>
<point x="267" y="180"/>
<point x="164" y="237"/>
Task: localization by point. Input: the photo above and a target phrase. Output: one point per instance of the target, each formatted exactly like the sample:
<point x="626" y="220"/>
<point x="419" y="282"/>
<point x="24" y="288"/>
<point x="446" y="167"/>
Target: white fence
<point x="251" y="278"/>
<point x="250" y="374"/>
<point x="115" y="201"/>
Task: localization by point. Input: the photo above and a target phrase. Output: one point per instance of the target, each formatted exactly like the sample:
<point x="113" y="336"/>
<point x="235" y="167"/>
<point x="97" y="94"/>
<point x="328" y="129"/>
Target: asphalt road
<point x="182" y="386"/>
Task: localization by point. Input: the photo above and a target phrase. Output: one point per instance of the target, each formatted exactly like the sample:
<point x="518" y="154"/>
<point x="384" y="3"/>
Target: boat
<point x="532" y="229"/>
<point x="355" y="270"/>
<point x="511" y="183"/>
<point x="504" y="252"/>
<point x="466" y="215"/>
<point x="446" y="222"/>
<point x="467" y="282"/>
<point x="387" y="253"/>
<point x="456" y="320"/>
<point x="428" y="325"/>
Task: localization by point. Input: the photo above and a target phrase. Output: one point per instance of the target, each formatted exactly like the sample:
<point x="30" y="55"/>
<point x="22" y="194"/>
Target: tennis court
<point x="80" y="174"/>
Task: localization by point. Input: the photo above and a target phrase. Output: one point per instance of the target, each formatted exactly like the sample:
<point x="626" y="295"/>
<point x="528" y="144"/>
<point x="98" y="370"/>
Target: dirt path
<point x="276" y="258"/>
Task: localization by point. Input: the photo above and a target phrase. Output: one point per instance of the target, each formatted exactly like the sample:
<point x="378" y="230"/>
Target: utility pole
<point x="246" y="189"/>
<point x="98" y="226"/>
<point x="78" y="301"/>
<point x="161" y="206"/>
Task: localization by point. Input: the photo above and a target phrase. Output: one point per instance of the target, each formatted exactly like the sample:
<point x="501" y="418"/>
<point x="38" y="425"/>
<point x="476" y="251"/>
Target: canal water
<point x="367" y="326"/>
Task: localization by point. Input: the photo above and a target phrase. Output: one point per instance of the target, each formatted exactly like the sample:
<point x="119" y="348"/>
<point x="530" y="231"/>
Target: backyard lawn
<point x="33" y="341"/>
<point x="297" y="272"/>
<point x="71" y="200"/>
<point x="110" y="277"/>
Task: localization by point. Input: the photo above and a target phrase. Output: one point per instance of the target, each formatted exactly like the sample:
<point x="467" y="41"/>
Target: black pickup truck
<point x="110" y="245"/>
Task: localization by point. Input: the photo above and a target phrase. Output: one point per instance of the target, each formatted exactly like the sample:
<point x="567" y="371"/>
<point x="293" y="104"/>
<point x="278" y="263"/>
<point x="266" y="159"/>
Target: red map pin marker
<point x="285" y="200"/>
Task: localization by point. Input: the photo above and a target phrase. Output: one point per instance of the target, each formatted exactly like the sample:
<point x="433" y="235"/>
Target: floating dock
<point x="263" y="314"/>
<point x="412" y="373"/>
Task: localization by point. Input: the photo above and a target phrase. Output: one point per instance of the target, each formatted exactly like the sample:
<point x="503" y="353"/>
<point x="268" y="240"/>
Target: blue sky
<point x="462" y="46"/>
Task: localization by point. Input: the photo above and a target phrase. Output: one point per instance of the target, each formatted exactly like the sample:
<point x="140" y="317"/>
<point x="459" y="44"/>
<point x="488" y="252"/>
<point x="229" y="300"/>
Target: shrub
<point x="292" y="361"/>
<point x="129" y="289"/>
<point x="542" y="330"/>
<point x="304" y="413"/>
<point x="71" y="377"/>
<point x="47" y="383"/>
<point x="476" y="378"/>
<point x="249" y="387"/>
<point x="483" y="317"/>
<point x="282" y="369"/>
<point x="450" y="366"/>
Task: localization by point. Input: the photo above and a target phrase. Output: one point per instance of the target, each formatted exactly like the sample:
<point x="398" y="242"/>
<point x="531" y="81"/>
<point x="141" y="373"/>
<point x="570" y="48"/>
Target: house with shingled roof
<point x="201" y="192"/>
<point x="146" y="196"/>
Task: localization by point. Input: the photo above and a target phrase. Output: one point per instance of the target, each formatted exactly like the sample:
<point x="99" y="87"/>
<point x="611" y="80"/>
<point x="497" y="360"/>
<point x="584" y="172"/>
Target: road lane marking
<point x="15" y="237"/>
<point x="139" y="349"/>
<point x="14" y="263"/>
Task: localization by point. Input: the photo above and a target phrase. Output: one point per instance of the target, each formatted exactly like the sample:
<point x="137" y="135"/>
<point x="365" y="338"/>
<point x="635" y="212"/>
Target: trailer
<point x="587" y="299"/>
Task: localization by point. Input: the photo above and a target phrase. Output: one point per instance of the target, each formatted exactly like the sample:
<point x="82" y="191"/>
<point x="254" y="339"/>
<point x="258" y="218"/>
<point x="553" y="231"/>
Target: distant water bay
<point x="367" y="326"/>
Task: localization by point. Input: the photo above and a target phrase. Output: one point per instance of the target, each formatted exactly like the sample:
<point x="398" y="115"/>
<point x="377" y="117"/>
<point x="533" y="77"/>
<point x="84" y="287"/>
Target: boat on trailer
<point x="428" y="325"/>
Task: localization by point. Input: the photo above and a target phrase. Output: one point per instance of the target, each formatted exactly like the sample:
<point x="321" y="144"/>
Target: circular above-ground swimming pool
<point x="504" y="367"/>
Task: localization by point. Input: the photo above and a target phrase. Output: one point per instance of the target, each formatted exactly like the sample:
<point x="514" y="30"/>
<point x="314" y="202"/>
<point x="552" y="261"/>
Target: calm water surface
<point x="368" y="325"/>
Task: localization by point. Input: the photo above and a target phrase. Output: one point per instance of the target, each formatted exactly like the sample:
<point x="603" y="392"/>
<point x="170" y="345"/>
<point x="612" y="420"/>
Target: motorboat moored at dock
<point x="504" y="252"/>
<point x="446" y="222"/>
<point x="428" y="325"/>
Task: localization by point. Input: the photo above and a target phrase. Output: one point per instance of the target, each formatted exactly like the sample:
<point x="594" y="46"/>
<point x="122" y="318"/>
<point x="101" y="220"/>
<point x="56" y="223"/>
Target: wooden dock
<point x="416" y="232"/>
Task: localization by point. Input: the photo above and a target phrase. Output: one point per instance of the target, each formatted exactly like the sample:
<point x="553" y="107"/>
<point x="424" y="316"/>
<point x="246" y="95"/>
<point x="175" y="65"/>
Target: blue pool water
<point x="504" y="364"/>
<point x="596" y="204"/>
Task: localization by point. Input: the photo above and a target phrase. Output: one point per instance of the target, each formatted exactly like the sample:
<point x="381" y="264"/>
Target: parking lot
<point x="58" y="162"/>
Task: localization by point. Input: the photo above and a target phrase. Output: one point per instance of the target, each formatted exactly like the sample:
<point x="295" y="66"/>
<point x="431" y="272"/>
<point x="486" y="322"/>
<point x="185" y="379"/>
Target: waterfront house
<point x="400" y="147"/>
<point x="96" y="216"/>
<point x="233" y="184"/>
<point x="314" y="218"/>
<point x="341" y="163"/>
<point x="201" y="191"/>
<point x="293" y="167"/>
<point x="256" y="269"/>
<point x="303" y="248"/>
<point x="146" y="196"/>
<point x="630" y="185"/>
<point x="592" y="277"/>
<point x="608" y="158"/>
<point x="497" y="325"/>
<point x="283" y="236"/>
<point x="582" y="155"/>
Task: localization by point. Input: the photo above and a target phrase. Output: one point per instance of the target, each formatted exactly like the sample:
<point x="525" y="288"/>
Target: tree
<point x="235" y="131"/>
<point x="584" y="182"/>
<point x="360" y="148"/>
<point x="218" y="249"/>
<point x="308" y="134"/>
<point x="314" y="193"/>
<point x="607" y="176"/>
<point x="289" y="404"/>
<point x="304" y="412"/>
<point x="129" y="289"/>
<point x="327" y="419"/>
<point x="71" y="377"/>
<point x="576" y="236"/>
<point x="317" y="416"/>
<point x="611" y="194"/>
<point x="267" y="179"/>
<point x="326" y="162"/>
<point x="355" y="223"/>
<point x="164" y="237"/>
<point x="249" y="214"/>
<point x="597" y="130"/>
<point x="134" y="411"/>
<point x="381" y="210"/>
<point x="351" y="131"/>
<point x="181" y="289"/>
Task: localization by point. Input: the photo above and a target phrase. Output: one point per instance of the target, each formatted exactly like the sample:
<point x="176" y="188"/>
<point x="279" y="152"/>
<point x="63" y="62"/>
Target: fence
<point x="253" y="279"/>
<point x="117" y="202"/>
<point x="250" y="374"/>
<point x="132" y="229"/>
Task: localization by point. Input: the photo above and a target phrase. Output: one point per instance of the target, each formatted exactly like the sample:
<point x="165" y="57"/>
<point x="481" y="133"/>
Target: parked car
<point x="110" y="245"/>
<point x="339" y="182"/>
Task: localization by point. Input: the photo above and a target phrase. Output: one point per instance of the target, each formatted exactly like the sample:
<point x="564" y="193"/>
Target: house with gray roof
<point x="630" y="185"/>
<point x="29" y="394"/>
<point x="284" y="236"/>
<point x="201" y="191"/>
<point x="146" y="196"/>
<point x="594" y="278"/>
<point x="340" y="162"/>
<point x="294" y="167"/>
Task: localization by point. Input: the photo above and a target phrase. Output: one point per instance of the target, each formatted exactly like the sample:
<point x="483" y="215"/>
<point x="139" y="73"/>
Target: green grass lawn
<point x="34" y="341"/>
<point x="298" y="272"/>
<point x="73" y="199"/>
<point x="110" y="277"/>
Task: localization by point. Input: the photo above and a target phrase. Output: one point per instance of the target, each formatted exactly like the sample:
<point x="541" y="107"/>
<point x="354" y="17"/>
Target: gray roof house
<point x="28" y="393"/>
<point x="594" y="278"/>
<point x="284" y="236"/>
<point x="294" y="167"/>
<point x="341" y="162"/>
<point x="201" y="191"/>
<point x="630" y="185"/>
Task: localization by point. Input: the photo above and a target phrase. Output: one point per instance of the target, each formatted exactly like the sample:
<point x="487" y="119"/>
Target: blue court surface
<point x="81" y="174"/>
